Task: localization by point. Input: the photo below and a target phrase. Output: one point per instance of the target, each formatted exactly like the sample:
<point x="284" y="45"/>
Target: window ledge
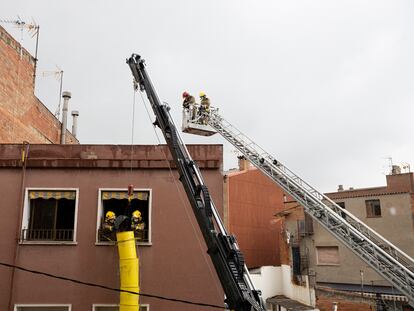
<point x="114" y="243"/>
<point x="48" y="243"/>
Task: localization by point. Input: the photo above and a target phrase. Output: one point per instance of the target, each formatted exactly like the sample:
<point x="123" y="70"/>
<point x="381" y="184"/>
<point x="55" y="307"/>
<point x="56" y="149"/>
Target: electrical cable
<point x="63" y="278"/>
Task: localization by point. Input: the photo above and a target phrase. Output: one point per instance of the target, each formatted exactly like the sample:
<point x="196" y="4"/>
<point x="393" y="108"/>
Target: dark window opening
<point x="342" y="205"/>
<point x="373" y="208"/>
<point x="120" y="206"/>
<point x="51" y="217"/>
<point x="296" y="260"/>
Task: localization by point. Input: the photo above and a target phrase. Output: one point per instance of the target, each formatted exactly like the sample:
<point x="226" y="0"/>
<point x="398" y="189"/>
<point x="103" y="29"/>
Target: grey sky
<point x="325" y="86"/>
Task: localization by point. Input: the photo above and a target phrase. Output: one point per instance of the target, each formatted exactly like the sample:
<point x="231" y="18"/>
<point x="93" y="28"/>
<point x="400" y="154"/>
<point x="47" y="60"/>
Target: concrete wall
<point x="251" y="201"/>
<point x="22" y="116"/>
<point x="175" y="265"/>
<point x="274" y="281"/>
<point x="395" y="224"/>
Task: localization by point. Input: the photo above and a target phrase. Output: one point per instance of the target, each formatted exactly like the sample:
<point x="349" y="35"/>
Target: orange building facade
<point x="250" y="202"/>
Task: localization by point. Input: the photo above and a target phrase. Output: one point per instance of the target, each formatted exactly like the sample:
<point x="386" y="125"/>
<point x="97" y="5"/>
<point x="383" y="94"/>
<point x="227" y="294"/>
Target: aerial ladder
<point x="385" y="258"/>
<point x="224" y="252"/>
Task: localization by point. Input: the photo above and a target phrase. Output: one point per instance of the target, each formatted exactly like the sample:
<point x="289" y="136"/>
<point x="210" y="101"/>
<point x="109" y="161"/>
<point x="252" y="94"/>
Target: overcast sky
<point x="325" y="86"/>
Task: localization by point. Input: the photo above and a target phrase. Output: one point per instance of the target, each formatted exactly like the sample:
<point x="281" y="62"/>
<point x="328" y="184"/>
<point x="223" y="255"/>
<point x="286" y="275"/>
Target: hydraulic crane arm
<point x="222" y="247"/>
<point x="384" y="257"/>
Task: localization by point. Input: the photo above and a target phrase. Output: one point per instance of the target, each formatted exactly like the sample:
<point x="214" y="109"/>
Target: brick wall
<point x="252" y="199"/>
<point x="22" y="114"/>
<point x="345" y="301"/>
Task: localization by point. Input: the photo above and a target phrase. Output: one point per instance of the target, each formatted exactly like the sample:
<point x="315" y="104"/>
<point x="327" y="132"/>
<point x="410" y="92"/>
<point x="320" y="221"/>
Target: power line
<point x="111" y="288"/>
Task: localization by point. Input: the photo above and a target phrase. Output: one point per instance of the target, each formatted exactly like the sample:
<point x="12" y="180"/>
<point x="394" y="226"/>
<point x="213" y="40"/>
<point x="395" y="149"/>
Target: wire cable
<point x="63" y="278"/>
<point x="132" y="128"/>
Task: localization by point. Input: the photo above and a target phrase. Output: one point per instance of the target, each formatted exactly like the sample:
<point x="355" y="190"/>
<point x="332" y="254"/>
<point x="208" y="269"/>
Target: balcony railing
<point x="305" y="226"/>
<point x="47" y="234"/>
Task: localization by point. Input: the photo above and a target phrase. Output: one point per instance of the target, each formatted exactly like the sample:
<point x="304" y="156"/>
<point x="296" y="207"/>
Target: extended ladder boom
<point x="222" y="248"/>
<point x="384" y="257"/>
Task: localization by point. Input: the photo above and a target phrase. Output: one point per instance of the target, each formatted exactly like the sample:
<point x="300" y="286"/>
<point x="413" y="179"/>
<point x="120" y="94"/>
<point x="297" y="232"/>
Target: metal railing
<point x="385" y="258"/>
<point x="47" y="235"/>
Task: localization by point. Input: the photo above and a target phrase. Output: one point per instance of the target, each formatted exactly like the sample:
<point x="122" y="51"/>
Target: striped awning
<point x="69" y="195"/>
<point x="120" y="195"/>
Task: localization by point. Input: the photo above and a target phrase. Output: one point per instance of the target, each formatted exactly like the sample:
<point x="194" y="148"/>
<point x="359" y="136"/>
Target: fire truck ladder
<point x="385" y="258"/>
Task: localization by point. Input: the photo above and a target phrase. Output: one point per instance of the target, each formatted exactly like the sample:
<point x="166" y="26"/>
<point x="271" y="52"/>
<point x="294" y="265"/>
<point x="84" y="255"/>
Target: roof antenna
<point x="33" y="29"/>
<point x="58" y="74"/>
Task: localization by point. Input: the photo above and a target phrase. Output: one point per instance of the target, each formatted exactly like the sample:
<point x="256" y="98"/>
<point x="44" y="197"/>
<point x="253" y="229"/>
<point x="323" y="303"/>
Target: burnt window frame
<point x="372" y="214"/>
<point x="100" y="215"/>
<point x="25" y="221"/>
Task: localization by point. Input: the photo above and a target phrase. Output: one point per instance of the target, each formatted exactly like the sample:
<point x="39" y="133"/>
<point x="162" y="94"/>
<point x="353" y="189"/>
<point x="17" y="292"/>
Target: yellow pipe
<point x="129" y="271"/>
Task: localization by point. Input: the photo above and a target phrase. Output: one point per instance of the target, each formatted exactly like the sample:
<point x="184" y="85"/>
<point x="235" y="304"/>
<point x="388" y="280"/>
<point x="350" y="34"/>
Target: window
<point x="373" y="208"/>
<point x="116" y="201"/>
<point x="342" y="205"/>
<point x="49" y="215"/>
<point x="143" y="307"/>
<point x="327" y="255"/>
<point x="43" y="307"/>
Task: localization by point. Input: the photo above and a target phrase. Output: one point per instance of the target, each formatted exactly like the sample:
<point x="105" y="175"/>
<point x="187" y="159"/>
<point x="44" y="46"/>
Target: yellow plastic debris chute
<point x="129" y="271"/>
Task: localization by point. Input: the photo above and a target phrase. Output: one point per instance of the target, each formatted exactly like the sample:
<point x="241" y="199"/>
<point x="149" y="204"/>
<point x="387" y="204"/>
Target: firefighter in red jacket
<point x="190" y="104"/>
<point x="188" y="100"/>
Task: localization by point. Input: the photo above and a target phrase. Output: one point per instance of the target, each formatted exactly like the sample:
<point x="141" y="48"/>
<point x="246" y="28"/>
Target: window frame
<point x="19" y="305"/>
<point x="99" y="215"/>
<point x="26" y="216"/>
<point x="116" y="305"/>
<point x="373" y="209"/>
<point x="327" y="264"/>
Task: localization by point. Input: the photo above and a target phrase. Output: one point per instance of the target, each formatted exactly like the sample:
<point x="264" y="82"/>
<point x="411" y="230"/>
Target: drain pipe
<point x="75" y="115"/>
<point x="66" y="96"/>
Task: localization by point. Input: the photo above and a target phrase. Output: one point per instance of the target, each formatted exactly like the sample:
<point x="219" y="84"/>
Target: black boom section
<point x="227" y="259"/>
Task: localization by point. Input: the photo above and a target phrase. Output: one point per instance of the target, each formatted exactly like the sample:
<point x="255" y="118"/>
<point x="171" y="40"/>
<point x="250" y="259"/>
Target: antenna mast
<point x="32" y="29"/>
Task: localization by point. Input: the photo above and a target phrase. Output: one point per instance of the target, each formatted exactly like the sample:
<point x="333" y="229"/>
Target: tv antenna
<point x="58" y="74"/>
<point x="33" y="29"/>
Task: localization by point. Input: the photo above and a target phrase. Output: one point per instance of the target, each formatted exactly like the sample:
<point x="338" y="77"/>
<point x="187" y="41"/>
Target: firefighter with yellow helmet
<point x="137" y="225"/>
<point x="109" y="221"/>
<point x="204" y="108"/>
<point x="108" y="227"/>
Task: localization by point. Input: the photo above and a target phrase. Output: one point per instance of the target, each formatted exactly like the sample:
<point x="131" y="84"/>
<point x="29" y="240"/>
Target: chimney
<point x="395" y="170"/>
<point x="243" y="163"/>
<point x="75" y="115"/>
<point x="66" y="96"/>
<point x="340" y="188"/>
